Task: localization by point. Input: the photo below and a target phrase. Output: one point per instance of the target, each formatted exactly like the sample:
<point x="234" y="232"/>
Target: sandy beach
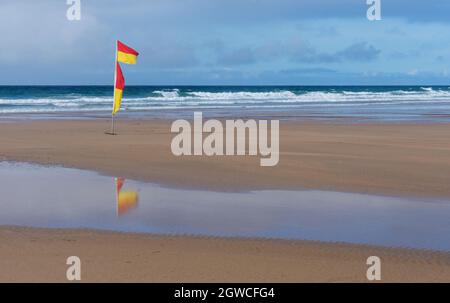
<point x="40" y="255"/>
<point x="386" y="159"/>
<point x="391" y="159"/>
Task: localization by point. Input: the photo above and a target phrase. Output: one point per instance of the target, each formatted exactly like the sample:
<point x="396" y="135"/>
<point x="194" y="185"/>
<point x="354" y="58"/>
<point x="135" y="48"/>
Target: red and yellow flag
<point x="125" y="54"/>
<point x="126" y="200"/>
<point x="118" y="88"/>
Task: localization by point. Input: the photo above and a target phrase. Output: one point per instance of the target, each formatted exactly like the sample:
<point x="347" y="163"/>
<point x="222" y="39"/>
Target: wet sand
<point x="392" y="159"/>
<point x="40" y="255"/>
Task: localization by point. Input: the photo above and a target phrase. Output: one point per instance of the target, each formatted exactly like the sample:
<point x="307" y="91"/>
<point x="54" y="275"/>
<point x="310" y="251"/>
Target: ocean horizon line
<point x="228" y="85"/>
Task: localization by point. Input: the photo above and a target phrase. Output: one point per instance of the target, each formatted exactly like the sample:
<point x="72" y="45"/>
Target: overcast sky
<point x="242" y="42"/>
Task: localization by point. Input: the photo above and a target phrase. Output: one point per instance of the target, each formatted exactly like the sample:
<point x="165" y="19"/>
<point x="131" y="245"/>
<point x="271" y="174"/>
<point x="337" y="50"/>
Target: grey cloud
<point x="358" y="52"/>
<point x="308" y="71"/>
<point x="297" y="52"/>
<point x="39" y="32"/>
<point x="311" y="55"/>
<point x="361" y="52"/>
<point x="254" y="11"/>
<point x="169" y="55"/>
<point x="239" y="56"/>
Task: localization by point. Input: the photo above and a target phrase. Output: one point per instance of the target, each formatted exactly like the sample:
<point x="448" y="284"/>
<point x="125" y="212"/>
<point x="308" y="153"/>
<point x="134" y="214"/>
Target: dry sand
<point x="403" y="159"/>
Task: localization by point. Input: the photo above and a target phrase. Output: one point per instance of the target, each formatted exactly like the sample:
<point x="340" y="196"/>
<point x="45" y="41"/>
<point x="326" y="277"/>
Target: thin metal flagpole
<point x="117" y="198"/>
<point x="112" y="124"/>
<point x="114" y="88"/>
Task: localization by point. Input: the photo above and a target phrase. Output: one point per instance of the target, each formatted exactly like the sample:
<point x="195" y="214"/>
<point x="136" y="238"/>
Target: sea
<point x="377" y="103"/>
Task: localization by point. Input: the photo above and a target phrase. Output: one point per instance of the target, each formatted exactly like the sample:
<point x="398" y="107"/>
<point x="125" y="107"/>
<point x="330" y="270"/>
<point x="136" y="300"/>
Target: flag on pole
<point x="118" y="88"/>
<point x="124" y="54"/>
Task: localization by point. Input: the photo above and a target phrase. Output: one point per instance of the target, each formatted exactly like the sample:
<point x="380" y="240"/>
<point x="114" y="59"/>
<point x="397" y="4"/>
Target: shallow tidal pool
<point x="56" y="197"/>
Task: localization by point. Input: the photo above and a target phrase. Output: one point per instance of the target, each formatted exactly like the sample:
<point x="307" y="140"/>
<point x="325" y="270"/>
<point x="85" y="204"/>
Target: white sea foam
<point x="174" y="98"/>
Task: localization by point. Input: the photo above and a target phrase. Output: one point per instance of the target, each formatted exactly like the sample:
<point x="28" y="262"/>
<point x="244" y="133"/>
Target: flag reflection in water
<point x="126" y="200"/>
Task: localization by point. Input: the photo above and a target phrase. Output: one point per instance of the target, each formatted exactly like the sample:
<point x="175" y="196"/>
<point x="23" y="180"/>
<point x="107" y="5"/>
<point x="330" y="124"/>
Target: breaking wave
<point x="146" y="98"/>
